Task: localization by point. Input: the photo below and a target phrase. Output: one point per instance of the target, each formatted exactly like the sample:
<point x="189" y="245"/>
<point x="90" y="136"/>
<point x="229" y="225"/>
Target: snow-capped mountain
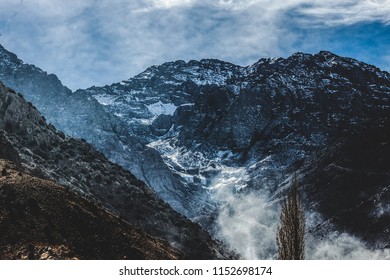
<point x="273" y="113"/>
<point x="220" y="142"/>
<point x="225" y="128"/>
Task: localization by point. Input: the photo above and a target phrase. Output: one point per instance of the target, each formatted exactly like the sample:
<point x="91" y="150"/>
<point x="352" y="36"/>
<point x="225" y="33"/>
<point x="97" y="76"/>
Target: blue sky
<point x="98" y="42"/>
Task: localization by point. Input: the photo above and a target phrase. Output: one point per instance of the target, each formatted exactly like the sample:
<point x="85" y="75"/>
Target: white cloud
<point x="95" y="42"/>
<point x="342" y="246"/>
<point x="248" y="223"/>
<point x="170" y="3"/>
<point x="335" y="12"/>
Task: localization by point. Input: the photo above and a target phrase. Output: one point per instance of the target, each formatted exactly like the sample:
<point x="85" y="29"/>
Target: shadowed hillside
<point x="43" y="220"/>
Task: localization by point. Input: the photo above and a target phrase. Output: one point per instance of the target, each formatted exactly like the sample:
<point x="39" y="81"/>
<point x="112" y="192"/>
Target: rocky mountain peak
<point x="8" y="59"/>
<point x="205" y="71"/>
<point x="199" y="132"/>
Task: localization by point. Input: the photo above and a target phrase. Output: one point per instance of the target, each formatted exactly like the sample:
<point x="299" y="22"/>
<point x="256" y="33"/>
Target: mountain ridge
<point x="256" y="127"/>
<point x="199" y="131"/>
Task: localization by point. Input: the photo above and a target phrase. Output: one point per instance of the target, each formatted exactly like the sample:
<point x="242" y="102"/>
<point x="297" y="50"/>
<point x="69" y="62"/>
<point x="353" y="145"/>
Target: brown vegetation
<point x="40" y="219"/>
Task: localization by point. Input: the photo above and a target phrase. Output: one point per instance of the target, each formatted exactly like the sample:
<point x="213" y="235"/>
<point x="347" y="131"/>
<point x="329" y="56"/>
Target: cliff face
<point x="350" y="185"/>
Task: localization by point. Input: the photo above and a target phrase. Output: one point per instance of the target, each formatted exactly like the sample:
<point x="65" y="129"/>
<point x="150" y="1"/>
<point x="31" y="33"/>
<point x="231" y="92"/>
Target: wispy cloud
<point x="248" y="222"/>
<point x="96" y="42"/>
<point x="335" y="12"/>
<point x="164" y="4"/>
<point x="342" y="246"/>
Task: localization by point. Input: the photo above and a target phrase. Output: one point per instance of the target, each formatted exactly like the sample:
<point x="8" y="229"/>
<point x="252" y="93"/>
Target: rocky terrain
<point x="220" y="142"/>
<point x="214" y="122"/>
<point x="349" y="184"/>
<point x="82" y="117"/>
<point x="42" y="220"/>
<point x="47" y="153"/>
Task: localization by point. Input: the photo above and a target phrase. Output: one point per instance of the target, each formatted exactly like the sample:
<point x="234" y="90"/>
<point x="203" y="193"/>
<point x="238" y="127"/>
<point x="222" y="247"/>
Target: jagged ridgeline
<point x="89" y="179"/>
<point x="199" y="131"/>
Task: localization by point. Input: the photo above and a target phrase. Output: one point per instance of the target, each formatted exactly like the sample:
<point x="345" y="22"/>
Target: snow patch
<point x="160" y="108"/>
<point x="233" y="178"/>
<point x="144" y="121"/>
<point x="105" y="99"/>
<point x="187" y="104"/>
<point x="120" y="115"/>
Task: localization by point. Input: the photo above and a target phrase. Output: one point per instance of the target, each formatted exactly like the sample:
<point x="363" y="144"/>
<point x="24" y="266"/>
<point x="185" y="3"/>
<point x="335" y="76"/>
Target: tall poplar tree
<point x="290" y="237"/>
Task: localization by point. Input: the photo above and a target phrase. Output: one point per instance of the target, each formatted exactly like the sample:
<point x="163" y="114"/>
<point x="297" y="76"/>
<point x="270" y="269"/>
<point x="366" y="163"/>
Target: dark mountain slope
<point x="42" y="220"/>
<point x="350" y="185"/>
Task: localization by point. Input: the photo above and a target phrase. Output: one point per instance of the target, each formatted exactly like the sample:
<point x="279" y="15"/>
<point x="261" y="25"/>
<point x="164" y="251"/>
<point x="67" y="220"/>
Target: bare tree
<point x="290" y="236"/>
